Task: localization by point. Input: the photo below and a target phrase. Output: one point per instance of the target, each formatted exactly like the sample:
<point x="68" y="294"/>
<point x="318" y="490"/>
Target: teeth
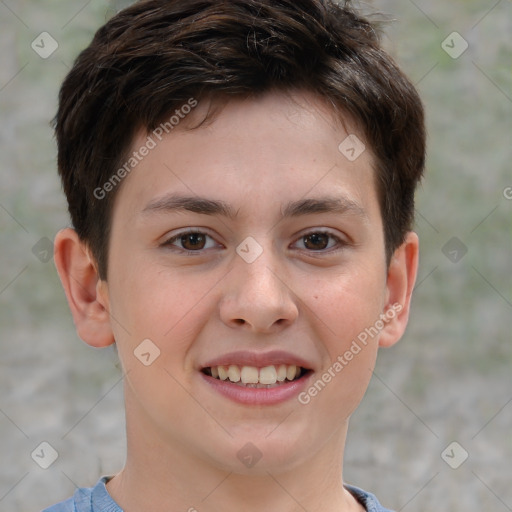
<point x="291" y="371"/>
<point x="234" y="373"/>
<point x="281" y="372"/>
<point x="249" y="375"/>
<point x="223" y="373"/>
<point x="267" y="376"/>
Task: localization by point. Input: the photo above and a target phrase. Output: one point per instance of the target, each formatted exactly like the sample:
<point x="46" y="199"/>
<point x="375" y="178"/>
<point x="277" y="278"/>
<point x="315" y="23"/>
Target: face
<point x="251" y="242"/>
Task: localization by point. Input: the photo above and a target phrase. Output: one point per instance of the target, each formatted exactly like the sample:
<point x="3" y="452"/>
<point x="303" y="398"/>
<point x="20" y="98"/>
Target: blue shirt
<point x="97" y="499"/>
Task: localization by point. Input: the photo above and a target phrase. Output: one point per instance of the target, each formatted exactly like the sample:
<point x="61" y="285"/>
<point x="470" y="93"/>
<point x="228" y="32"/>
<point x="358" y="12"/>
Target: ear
<point x="87" y="294"/>
<point x="400" y="284"/>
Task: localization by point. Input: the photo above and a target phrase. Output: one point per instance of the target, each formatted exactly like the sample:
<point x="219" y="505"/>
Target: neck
<point x="161" y="475"/>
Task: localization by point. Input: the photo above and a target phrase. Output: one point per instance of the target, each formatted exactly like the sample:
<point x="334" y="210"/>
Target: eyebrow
<point x="205" y="206"/>
<point x="341" y="205"/>
<point x="196" y="204"/>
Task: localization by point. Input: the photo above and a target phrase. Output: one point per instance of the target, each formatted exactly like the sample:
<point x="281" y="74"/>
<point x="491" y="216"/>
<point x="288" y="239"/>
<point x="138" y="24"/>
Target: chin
<point x="261" y="453"/>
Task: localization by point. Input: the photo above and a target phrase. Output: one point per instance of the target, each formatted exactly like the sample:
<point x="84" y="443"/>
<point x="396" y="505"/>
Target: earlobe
<point x="86" y="293"/>
<point x="401" y="277"/>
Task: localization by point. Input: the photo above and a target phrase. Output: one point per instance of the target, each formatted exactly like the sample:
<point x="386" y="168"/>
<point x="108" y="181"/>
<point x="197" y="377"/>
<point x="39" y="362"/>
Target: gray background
<point x="449" y="378"/>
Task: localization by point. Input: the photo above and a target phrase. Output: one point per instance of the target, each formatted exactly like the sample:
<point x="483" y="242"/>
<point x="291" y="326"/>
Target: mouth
<point x="265" y="377"/>
<point x="257" y="378"/>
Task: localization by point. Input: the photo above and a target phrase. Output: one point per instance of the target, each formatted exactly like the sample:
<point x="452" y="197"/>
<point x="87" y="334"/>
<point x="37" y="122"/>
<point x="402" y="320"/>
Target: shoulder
<point x="87" y="499"/>
<point x="64" y="506"/>
<point x="367" y="499"/>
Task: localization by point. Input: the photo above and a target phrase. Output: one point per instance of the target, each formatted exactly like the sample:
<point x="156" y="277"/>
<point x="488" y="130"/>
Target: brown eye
<point x="193" y="241"/>
<point x="316" y="241"/>
<point x="190" y="241"/>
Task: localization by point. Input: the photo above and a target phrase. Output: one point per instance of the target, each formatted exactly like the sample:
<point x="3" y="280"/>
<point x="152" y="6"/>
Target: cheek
<point x="350" y="351"/>
<point x="345" y="305"/>
<point x="164" y="307"/>
<point x="344" y="311"/>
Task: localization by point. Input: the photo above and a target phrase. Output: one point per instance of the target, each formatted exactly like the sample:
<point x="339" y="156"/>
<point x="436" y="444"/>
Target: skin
<point x="256" y="155"/>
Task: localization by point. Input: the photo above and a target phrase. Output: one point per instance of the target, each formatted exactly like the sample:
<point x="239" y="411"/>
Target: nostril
<point x="240" y="321"/>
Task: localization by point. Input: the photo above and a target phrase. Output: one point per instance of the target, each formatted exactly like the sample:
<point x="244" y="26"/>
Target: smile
<point x="257" y="378"/>
<point x="253" y="377"/>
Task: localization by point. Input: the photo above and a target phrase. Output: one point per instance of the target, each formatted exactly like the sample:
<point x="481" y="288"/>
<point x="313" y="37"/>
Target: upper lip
<point x="257" y="359"/>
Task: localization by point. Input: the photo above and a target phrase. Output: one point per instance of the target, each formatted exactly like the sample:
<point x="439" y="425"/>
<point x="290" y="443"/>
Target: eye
<point x="191" y="241"/>
<point x="320" y="241"/>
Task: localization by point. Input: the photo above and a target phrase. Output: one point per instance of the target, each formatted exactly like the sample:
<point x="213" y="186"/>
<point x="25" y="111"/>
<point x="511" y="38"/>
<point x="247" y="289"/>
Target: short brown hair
<point x="155" y="55"/>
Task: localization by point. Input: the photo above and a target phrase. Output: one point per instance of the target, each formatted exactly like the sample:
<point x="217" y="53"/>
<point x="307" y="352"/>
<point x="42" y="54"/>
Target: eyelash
<point x="169" y="243"/>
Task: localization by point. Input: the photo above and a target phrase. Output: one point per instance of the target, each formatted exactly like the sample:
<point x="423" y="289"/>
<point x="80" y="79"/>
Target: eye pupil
<point x="318" y="240"/>
<point x="197" y="241"/>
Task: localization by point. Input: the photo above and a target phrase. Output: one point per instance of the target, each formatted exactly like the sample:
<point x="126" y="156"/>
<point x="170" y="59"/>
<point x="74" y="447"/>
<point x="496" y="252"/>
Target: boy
<point x="240" y="177"/>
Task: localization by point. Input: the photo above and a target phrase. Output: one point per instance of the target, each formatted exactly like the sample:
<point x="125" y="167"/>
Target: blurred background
<point x="434" y="431"/>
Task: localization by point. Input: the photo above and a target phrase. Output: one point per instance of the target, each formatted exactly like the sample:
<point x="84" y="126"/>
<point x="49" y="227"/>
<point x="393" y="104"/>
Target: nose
<point x="257" y="296"/>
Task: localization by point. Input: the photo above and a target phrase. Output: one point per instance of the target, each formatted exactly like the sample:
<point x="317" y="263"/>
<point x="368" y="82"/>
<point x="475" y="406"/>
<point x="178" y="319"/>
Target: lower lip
<point x="257" y="396"/>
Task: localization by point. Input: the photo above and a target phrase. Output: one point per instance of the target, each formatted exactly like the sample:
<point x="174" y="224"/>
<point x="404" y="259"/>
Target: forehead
<point x="265" y="151"/>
